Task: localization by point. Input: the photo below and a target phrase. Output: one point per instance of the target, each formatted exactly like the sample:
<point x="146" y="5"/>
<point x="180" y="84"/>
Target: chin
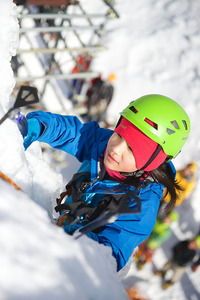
<point x="109" y="165"/>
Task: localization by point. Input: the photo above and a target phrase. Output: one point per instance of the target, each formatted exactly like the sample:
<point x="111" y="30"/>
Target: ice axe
<point x="27" y="95"/>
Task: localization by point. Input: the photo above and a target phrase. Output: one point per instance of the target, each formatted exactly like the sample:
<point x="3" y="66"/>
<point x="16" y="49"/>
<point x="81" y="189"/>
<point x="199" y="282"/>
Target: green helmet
<point x="162" y="119"/>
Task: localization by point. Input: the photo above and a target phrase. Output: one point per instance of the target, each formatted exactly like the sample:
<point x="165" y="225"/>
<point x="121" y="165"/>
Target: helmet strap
<point x="159" y="148"/>
<point x="118" y="122"/>
<point x="137" y="173"/>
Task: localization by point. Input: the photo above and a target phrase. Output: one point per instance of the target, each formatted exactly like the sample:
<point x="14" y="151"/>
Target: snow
<point x="38" y="260"/>
<point x="152" y="48"/>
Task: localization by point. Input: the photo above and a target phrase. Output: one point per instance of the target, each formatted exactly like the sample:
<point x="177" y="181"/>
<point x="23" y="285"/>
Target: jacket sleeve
<point x="67" y="133"/>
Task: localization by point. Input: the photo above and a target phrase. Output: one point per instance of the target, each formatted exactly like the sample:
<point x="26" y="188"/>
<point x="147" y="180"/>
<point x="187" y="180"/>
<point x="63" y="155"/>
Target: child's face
<point x="119" y="156"/>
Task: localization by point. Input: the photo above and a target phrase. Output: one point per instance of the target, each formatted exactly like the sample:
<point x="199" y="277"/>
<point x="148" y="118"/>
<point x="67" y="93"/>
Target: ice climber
<point x="134" y="159"/>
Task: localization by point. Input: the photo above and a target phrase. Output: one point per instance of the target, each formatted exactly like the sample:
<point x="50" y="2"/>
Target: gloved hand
<point x="21" y="122"/>
<point x="34" y="129"/>
<point x="70" y="229"/>
<point x="194" y="268"/>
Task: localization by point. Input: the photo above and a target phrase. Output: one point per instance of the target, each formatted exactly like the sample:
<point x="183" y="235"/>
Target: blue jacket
<point x="87" y="142"/>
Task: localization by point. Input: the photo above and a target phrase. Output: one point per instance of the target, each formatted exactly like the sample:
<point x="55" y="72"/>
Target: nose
<point x="119" y="146"/>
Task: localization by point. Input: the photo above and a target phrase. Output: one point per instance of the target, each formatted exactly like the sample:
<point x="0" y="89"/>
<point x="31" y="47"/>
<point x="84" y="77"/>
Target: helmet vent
<point x="185" y="124"/>
<point x="133" y="109"/>
<point x="175" y="124"/>
<point x="170" y="131"/>
<point x="151" y="123"/>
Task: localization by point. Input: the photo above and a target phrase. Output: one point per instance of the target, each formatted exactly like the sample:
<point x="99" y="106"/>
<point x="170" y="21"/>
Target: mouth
<point x="111" y="159"/>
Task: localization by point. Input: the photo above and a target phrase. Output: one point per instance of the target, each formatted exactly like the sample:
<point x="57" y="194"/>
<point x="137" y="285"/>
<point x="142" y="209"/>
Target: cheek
<point x="129" y="163"/>
<point x="109" y="144"/>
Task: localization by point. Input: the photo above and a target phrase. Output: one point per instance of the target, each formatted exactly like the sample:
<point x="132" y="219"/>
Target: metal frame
<point x="47" y="37"/>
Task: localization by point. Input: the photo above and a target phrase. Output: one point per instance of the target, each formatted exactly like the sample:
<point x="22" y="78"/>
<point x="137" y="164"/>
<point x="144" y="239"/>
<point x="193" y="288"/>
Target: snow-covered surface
<point x="153" y="48"/>
<point x="38" y="260"/>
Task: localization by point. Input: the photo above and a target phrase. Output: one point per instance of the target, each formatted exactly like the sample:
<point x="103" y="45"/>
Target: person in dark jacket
<point x="133" y="160"/>
<point x="184" y="254"/>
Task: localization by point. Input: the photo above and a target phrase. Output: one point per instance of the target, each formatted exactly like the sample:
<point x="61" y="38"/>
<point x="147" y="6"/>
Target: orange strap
<point x="61" y="219"/>
<point x="6" y="178"/>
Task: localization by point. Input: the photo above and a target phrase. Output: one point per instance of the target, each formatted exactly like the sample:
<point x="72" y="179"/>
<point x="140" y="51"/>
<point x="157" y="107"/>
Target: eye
<point x="119" y="135"/>
<point x="129" y="147"/>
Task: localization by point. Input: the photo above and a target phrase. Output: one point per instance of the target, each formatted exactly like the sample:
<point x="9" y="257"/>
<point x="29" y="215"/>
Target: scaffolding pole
<point x="55" y="50"/>
<point x="83" y="75"/>
<point x="62" y="16"/>
<point x="59" y="28"/>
